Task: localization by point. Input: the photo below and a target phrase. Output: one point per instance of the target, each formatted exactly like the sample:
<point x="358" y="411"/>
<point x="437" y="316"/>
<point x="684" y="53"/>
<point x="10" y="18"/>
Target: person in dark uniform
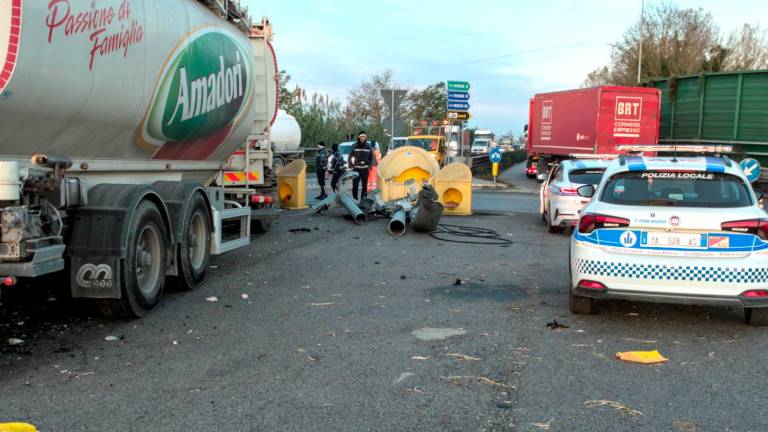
<point x="360" y="160"/>
<point x="336" y="166"/>
<point x="321" y="163"/>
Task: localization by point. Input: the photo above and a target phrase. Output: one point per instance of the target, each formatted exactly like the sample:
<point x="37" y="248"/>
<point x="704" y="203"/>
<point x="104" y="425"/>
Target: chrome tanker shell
<point x="127" y="79"/>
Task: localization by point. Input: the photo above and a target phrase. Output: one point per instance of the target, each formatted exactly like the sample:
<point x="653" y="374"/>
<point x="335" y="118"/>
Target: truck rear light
<point x="9" y="281"/>
<point x="590" y="222"/>
<point x="758" y="227"/>
<point x="591" y="285"/>
<point x="754" y="293"/>
<point x="262" y="199"/>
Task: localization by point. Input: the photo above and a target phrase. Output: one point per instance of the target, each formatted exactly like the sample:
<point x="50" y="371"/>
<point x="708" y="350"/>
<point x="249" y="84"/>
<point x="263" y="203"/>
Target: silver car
<point x="559" y="203"/>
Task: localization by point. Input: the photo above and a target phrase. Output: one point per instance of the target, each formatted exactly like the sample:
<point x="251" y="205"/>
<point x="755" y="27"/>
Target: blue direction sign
<point x="495" y="154"/>
<point x="458" y="96"/>
<point x="751" y="169"/>
<point x="458" y="106"/>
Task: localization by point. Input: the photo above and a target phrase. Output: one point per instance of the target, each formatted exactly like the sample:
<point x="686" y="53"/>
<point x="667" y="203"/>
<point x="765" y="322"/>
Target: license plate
<point x="674" y="240"/>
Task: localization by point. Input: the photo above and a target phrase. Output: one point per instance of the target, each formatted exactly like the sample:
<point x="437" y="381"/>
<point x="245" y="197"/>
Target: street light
<point x="640" y="48"/>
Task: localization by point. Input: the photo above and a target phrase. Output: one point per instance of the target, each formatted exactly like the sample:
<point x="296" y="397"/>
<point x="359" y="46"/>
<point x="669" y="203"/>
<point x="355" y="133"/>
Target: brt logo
<point x="629" y="108"/>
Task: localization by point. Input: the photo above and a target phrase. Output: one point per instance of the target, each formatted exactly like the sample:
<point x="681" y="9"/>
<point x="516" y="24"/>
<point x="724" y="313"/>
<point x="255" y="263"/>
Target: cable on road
<point x="469" y="235"/>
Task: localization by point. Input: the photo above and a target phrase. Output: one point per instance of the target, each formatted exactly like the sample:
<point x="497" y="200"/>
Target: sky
<point x="508" y="50"/>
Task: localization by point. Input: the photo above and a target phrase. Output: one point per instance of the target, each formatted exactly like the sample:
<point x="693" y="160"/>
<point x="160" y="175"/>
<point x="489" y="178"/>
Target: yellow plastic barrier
<point x="17" y="427"/>
<point x="453" y="185"/>
<point x="403" y="164"/>
<point x="292" y="185"/>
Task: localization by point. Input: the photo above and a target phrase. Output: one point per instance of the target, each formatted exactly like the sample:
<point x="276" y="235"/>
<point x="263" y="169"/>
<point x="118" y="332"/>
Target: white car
<point x="559" y="204"/>
<point x="672" y="230"/>
<point x="480" y="146"/>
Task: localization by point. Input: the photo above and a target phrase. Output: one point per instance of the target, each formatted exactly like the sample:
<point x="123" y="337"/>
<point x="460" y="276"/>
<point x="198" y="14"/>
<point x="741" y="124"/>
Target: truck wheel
<point x="261" y="226"/>
<point x="195" y="248"/>
<point x="142" y="277"/>
<point x="277" y="164"/>
<point x="581" y="305"/>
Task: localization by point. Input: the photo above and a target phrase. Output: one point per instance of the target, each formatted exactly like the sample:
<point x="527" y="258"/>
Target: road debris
<point x="421" y="357"/>
<point x="298" y="230"/>
<point x="464" y="357"/>
<point x="212" y="299"/>
<point x="642" y="357"/>
<point x="321" y="304"/>
<point x="543" y="426"/>
<point x="415" y="390"/>
<point x="505" y="405"/>
<point x="645" y="341"/>
<point x="684" y="426"/>
<point x="554" y="325"/>
<point x="618" y="406"/>
<point x="244" y="296"/>
<point x="403" y="376"/>
<point x="459" y="380"/>
<point x="111" y="338"/>
<point x="458" y="282"/>
<point x="15" y="341"/>
<point x="430" y="333"/>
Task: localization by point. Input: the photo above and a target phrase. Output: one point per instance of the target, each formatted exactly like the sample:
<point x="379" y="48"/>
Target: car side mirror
<point x="586" y="191"/>
<point x="541" y="177"/>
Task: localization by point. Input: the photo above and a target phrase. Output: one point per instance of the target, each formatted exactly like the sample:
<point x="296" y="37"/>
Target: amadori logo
<point x="204" y="88"/>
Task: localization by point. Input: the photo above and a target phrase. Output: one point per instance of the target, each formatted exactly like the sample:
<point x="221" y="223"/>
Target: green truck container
<point x="721" y="108"/>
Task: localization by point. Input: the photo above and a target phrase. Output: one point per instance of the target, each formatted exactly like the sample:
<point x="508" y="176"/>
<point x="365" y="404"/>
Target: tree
<point x="427" y="104"/>
<point x="598" y="77"/>
<point x="366" y="109"/>
<point x="680" y="42"/>
<point x="747" y="48"/>
<point x="287" y="99"/>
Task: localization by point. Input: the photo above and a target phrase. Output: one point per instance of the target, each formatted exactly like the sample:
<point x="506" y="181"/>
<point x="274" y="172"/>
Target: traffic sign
<point x="458" y="96"/>
<point x="454" y="115"/>
<point x="495" y="155"/>
<point x="458" y="106"/>
<point x="751" y="169"/>
<point x="458" y="85"/>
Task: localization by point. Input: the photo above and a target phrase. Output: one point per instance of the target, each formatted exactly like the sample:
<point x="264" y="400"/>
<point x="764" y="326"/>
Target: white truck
<point x="129" y="142"/>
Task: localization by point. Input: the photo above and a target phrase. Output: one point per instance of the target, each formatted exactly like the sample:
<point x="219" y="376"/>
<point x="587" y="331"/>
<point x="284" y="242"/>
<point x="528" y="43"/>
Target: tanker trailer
<point x="116" y="121"/>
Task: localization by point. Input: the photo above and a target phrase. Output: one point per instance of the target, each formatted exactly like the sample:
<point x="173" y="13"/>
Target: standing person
<point x="360" y="160"/>
<point x="336" y="167"/>
<point x="321" y="163"/>
<point x="373" y="173"/>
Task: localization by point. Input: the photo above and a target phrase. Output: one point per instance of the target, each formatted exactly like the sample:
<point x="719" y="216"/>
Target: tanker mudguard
<point x="99" y="241"/>
<point x="177" y="197"/>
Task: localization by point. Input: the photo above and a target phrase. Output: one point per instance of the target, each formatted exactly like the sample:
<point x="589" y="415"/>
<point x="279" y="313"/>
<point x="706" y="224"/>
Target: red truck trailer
<point x="590" y="121"/>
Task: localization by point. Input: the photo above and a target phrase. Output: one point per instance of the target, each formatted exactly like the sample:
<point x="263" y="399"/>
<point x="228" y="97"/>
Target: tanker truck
<point x="118" y="124"/>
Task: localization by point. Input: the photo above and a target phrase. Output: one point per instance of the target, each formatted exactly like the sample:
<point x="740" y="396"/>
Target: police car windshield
<point x="346" y="148"/>
<point x="679" y="189"/>
<point x="588" y="176"/>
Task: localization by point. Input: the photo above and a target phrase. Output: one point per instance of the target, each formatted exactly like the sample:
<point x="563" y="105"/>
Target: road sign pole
<point x="392" y="129"/>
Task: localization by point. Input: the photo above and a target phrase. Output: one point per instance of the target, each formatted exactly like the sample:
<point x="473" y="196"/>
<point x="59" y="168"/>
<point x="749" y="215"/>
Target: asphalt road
<point x="348" y="329"/>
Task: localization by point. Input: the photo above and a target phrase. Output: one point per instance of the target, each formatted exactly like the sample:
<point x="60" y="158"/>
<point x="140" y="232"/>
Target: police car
<point x="671" y="229"/>
<point x="559" y="204"/>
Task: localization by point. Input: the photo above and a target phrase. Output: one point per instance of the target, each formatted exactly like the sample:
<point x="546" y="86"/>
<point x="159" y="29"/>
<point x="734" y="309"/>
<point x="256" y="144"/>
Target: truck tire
<point x="194" y="252"/>
<point x="142" y="277"/>
<point x="278" y="162"/>
<point x="261" y="226"/>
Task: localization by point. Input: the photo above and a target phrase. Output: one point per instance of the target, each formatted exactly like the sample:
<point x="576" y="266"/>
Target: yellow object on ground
<point x="292" y="185"/>
<point x="453" y="185"/>
<point x="642" y="357"/>
<point x="403" y="164"/>
<point x="17" y="427"/>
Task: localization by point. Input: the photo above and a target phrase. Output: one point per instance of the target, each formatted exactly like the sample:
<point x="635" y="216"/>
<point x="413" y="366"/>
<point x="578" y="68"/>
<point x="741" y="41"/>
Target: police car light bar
<point x="677" y="148"/>
<point x="592" y="156"/>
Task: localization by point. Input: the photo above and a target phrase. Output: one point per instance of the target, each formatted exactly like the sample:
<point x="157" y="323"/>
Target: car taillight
<point x="590" y="222"/>
<point x="591" y="285"/>
<point x="754" y="293"/>
<point x="566" y="190"/>
<point x="758" y="227"/>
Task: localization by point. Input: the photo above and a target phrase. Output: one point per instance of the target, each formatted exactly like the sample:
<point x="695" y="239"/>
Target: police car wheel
<point x="755" y="316"/>
<point x="553" y="229"/>
<point x="581" y="305"/>
<point x="142" y="274"/>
